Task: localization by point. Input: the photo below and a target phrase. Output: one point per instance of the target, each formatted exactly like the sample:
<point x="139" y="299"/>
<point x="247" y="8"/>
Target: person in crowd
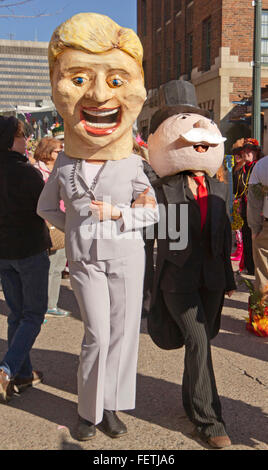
<point x="98" y="89"/>
<point x="250" y="151"/>
<point x="148" y="235"/>
<point x="24" y="261"/>
<point x="193" y="266"/>
<point x="237" y="219"/>
<point x="257" y="216"/>
<point x="58" y="133"/>
<point x="45" y="156"/>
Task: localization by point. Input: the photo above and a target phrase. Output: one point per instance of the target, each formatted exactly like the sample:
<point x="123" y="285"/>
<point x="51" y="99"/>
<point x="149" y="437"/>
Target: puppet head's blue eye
<point x="115" y="82"/>
<point x="78" y="80"/>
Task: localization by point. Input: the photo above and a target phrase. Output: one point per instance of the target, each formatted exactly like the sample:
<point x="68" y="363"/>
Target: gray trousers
<point x="260" y="255"/>
<point x="57" y="264"/>
<point x="197" y="315"/>
<point x="109" y="294"/>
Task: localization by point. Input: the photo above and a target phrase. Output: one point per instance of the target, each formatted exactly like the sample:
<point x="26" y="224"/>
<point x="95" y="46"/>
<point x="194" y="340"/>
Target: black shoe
<point x="85" y="429"/>
<point x="112" y="425"/>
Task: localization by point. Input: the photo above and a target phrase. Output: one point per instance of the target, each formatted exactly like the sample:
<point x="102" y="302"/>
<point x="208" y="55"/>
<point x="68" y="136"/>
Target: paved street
<point x="44" y="417"/>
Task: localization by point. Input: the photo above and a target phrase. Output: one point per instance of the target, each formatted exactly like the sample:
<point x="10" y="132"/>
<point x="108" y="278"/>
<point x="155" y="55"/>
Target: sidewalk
<point x="44" y="418"/>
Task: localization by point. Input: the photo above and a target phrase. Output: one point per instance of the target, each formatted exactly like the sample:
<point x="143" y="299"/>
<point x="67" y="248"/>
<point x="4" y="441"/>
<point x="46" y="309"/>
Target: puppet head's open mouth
<point x="201" y="148"/>
<point x="102" y="121"/>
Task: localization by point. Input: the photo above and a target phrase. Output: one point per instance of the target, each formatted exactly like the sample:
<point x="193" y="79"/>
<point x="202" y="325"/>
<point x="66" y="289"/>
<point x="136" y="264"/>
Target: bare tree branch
<point x="21" y="2"/>
<point x="32" y="16"/>
<point x="14" y="4"/>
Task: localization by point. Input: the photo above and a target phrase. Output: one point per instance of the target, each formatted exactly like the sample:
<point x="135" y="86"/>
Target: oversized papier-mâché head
<point x="182" y="140"/>
<point x="97" y="85"/>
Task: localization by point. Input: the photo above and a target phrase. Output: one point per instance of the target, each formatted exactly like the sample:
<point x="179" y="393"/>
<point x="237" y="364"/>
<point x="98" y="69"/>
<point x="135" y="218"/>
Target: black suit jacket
<point x="205" y="260"/>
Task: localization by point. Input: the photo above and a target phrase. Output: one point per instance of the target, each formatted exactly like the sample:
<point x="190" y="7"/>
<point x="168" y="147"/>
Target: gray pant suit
<point x="106" y="272"/>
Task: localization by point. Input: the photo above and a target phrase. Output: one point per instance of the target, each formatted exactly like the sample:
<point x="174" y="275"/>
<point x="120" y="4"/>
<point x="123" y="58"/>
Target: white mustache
<point x="202" y="136"/>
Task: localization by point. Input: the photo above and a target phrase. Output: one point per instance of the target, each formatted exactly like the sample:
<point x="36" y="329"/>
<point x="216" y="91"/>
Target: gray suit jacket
<point x="119" y="182"/>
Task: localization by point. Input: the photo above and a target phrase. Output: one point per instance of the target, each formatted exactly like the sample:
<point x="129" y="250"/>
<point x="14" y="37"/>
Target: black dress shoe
<point x="112" y="425"/>
<point x="85" y="429"/>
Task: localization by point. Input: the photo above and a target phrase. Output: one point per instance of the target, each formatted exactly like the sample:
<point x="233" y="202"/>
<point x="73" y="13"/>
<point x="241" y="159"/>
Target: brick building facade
<point x="208" y="42"/>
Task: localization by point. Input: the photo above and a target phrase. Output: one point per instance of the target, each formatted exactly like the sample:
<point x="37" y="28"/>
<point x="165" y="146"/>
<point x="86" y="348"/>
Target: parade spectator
<point x="58" y="133"/>
<point x="257" y="215"/>
<point x="148" y="235"/>
<point x="45" y="156"/>
<point x="250" y="152"/>
<point x="237" y="219"/>
<point x="24" y="261"/>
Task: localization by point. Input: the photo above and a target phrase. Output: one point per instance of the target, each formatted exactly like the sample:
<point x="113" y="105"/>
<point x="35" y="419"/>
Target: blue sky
<point x="124" y="12"/>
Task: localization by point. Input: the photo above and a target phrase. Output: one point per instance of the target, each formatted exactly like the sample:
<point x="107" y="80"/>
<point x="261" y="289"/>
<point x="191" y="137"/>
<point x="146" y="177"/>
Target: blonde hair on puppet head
<point x="96" y="34"/>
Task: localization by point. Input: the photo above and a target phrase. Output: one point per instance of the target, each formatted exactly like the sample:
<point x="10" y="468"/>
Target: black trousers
<point x="148" y="276"/>
<point x="247" y="247"/>
<point x="197" y="315"/>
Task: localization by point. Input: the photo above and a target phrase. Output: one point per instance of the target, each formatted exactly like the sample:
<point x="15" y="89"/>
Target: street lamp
<point x="54" y="115"/>
<point x="39" y="124"/>
<point x="46" y="122"/>
<point x="256" y="79"/>
<point x="35" y="129"/>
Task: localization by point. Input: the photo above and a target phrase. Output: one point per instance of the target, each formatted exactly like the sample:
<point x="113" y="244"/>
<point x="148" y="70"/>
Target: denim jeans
<point x="25" y="287"/>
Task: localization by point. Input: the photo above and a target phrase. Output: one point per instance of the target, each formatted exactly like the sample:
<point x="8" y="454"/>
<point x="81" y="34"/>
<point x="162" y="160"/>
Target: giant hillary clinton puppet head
<point x="97" y="85"/>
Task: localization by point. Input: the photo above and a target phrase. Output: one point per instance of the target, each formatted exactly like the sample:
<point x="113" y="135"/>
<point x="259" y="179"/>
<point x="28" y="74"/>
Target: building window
<point x="189" y="17"/>
<point x="264" y="37"/>
<point x="158" y="70"/>
<point x="189" y="55"/>
<point x="143" y="17"/>
<point x="178" y="58"/>
<point x="167" y="10"/>
<point x="177" y="5"/>
<point x="168" y="65"/>
<point x="144" y="66"/>
<point x="157" y="14"/>
<point x="206" y="44"/>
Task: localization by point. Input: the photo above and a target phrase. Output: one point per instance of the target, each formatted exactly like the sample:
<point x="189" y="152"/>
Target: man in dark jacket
<point x="193" y="268"/>
<point x="24" y="262"/>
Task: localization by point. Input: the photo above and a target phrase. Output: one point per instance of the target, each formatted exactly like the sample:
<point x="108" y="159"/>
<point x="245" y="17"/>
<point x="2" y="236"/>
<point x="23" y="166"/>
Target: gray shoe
<point x="57" y="313"/>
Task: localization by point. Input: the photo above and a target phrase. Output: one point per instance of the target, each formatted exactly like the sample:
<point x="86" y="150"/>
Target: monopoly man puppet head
<point x="184" y="138"/>
<point x="97" y="85"/>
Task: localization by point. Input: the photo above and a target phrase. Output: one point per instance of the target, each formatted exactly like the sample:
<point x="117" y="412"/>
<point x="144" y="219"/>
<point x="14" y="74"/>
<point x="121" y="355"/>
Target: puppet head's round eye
<point x="115" y="82"/>
<point x="78" y="81"/>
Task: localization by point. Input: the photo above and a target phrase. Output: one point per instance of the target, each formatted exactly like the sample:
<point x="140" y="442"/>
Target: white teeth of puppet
<point x="102" y="113"/>
<point x="101" y="125"/>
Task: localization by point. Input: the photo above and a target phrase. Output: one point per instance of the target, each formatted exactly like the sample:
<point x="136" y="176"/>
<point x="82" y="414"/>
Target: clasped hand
<point x="143" y="200"/>
<point x="105" y="211"/>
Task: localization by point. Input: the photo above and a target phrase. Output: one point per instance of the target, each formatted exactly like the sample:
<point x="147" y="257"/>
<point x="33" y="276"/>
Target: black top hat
<point x="177" y="96"/>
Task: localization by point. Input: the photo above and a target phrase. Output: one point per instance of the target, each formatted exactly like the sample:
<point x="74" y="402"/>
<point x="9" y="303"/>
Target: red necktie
<point x="202" y="198"/>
